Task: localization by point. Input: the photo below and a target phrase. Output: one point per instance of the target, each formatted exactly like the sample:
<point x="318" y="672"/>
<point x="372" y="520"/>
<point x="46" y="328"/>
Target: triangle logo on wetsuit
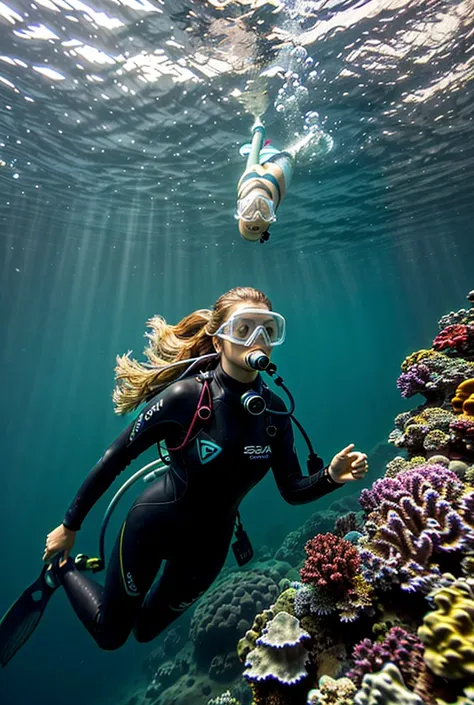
<point x="208" y="450"/>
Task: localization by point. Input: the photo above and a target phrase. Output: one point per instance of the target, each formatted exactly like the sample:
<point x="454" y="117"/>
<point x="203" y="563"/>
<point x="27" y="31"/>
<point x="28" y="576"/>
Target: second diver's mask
<point x="255" y="214"/>
<point x="246" y="326"/>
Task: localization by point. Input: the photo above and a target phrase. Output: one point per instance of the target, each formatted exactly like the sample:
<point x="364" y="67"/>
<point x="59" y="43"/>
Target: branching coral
<point x="348" y="522"/>
<point x="331" y="563"/>
<point x="333" y="577"/>
<point x="400" y="647"/>
<point x="414" y="516"/>
<point x="448" y="632"/>
<point x="412" y="483"/>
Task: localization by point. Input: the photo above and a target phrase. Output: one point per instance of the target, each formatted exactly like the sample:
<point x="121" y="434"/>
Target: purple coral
<point x="417" y="380"/>
<point x="415" y="515"/>
<point x="385" y="573"/>
<point x="399" y="647"/>
<point x="438" y="374"/>
<point x="412" y="483"/>
<point x="347" y="523"/>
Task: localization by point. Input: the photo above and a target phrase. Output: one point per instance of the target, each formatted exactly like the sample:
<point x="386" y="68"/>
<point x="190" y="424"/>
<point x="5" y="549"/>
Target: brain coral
<point x="227" y="611"/>
<point x="448" y="632"/>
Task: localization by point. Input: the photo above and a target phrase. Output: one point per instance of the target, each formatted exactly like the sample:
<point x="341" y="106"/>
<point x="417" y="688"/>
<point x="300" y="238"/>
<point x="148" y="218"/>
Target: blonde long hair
<point x="191" y="337"/>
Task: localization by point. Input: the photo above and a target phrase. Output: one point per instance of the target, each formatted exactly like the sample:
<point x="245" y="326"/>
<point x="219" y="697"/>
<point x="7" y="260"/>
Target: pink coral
<point x="331" y="563"/>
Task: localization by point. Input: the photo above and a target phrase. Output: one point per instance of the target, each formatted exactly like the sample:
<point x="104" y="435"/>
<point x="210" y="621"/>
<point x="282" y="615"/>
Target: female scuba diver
<point x="262" y="186"/>
<point x="266" y="179"/>
<point x="223" y="429"/>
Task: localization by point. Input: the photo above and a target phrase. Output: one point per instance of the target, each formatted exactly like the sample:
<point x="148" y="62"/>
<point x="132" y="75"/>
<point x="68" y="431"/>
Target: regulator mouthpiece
<point x="257" y="360"/>
<point x="253" y="403"/>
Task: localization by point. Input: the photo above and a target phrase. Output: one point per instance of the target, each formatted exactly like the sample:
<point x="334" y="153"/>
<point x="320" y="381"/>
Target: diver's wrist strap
<point x="329" y="478"/>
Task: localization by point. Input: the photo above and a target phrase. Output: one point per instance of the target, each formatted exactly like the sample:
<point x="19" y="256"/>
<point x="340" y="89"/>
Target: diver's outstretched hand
<point x="61" y="540"/>
<point x="348" y="465"/>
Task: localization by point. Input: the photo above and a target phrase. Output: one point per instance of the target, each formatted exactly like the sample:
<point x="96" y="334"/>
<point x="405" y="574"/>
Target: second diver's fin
<point x="23" y="617"/>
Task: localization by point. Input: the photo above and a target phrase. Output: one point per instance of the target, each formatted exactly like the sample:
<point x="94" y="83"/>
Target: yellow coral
<point x="448" y="632"/>
<point x="247" y="643"/>
<point x="415" y="357"/>
<point x="285" y="602"/>
<point x="332" y="691"/>
<point x="466" y="699"/>
<point x="399" y="464"/>
<point x="463" y="400"/>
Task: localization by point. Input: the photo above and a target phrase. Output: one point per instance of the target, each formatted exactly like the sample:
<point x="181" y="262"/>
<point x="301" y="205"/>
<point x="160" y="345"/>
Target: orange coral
<point x="463" y="400"/>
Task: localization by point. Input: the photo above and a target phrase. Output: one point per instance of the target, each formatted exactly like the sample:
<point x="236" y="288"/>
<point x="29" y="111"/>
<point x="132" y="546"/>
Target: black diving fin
<point x="24" y="615"/>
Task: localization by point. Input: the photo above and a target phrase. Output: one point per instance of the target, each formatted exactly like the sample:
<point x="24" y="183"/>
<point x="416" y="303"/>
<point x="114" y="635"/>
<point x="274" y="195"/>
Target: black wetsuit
<point x="187" y="515"/>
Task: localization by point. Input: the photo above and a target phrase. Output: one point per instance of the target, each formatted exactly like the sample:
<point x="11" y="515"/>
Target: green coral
<point x="285" y="602"/>
<point x="435" y="440"/>
<point x="416" y="357"/>
<point x="448" y="631"/>
<point x="400" y="464"/>
<point x="247" y="643"/>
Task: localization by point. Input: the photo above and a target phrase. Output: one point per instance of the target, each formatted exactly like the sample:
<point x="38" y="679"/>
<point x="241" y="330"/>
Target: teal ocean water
<point x="120" y="125"/>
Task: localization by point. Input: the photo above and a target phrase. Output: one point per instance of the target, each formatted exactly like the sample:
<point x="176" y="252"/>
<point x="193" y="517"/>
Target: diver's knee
<point x="110" y="642"/>
<point x="143" y="636"/>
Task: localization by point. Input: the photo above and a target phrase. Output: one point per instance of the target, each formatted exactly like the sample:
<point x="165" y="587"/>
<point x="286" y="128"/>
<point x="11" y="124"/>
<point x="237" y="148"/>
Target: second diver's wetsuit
<point x="187" y="516"/>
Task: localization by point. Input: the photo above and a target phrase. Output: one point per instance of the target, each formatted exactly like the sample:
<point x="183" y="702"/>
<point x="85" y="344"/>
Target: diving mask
<point x="255" y="207"/>
<point x="245" y="327"/>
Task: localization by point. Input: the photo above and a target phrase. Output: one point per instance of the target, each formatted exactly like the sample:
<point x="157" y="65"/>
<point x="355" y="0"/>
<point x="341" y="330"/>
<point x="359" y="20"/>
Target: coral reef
<point x="415" y="516"/>
<point x="279" y="653"/>
<point x="347" y="523"/>
<point x="448" y="632"/>
<point x="428" y="430"/>
<point x="226" y="612"/>
<point x="331" y="564"/>
<point x="331" y="691"/>
<point x="383" y="600"/>
<point x="463" y="400"/>
<point x="386" y="688"/>
<point x="400" y="647"/>
<point x="224" y="699"/>
<point x="436" y="377"/>
<point x="456" y="339"/>
<point x="292" y="546"/>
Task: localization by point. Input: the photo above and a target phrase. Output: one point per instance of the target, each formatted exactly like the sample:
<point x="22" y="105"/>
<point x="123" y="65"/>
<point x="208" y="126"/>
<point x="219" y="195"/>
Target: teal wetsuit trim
<point x="266" y="177"/>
